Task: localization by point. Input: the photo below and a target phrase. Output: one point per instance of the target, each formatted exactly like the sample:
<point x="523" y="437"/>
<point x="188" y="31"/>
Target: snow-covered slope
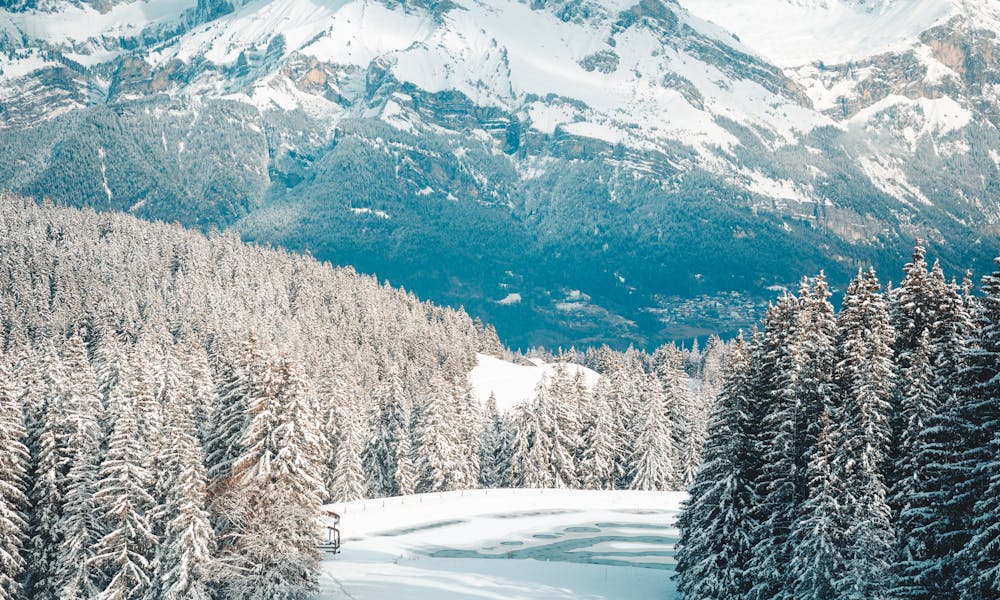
<point x="512" y="384"/>
<point x="507" y="544"/>
<point x="792" y="33"/>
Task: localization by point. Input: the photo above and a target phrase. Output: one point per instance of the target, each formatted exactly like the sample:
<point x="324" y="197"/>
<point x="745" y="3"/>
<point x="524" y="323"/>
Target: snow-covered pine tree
<point x="715" y="546"/>
<point x="815" y="389"/>
<point x="917" y="403"/>
<point x="686" y="417"/>
<point x="935" y="522"/>
<point x="198" y="375"/>
<point x="51" y="460"/>
<point x="434" y="452"/>
<point x="80" y="527"/>
<point x="779" y="481"/>
<point x="14" y="461"/>
<point x="530" y="452"/>
<point x="981" y="391"/>
<point x="558" y="405"/>
<point x="333" y="398"/>
<point x="391" y="430"/>
<point x="110" y="359"/>
<point x="347" y="480"/>
<point x="625" y="377"/>
<point x="493" y="447"/>
<point x="817" y="537"/>
<point x="864" y="373"/>
<point x="240" y="385"/>
<point x="405" y="476"/>
<point x="278" y="486"/>
<point x="144" y="385"/>
<point x="653" y="451"/>
<point x="597" y="462"/>
<point x="184" y="558"/>
<point x="464" y="432"/>
<point x="121" y="560"/>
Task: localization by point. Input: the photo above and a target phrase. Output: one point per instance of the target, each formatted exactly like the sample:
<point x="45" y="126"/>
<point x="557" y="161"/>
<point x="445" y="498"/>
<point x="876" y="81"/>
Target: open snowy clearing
<point x="506" y="544"/>
<point x="512" y="384"/>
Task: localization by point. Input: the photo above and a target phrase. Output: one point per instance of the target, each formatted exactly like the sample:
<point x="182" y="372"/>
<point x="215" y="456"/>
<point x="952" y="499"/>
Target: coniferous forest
<point x="175" y="408"/>
<point x="855" y="455"/>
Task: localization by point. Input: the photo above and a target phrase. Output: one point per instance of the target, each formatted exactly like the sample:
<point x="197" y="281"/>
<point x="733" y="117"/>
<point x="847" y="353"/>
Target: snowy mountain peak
<point x="613" y="126"/>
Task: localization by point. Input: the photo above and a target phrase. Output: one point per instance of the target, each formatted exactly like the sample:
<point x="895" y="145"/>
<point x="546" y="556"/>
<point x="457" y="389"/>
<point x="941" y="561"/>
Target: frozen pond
<point x="504" y="544"/>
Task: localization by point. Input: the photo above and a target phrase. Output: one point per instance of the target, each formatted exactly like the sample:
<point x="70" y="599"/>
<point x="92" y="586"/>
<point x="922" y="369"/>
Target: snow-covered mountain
<point x="691" y="155"/>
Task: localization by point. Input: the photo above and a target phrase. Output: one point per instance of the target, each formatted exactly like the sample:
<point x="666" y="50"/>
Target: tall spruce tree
<point x="51" y="461"/>
<point x="936" y="520"/>
<point x="865" y="376"/>
<point x="278" y="489"/>
<point x="597" y="462"/>
<point x="981" y="401"/>
<point x="653" y="460"/>
<point x="123" y="501"/>
<point x="434" y="450"/>
<point x="14" y="461"/>
<point x="494" y="447"/>
<point x="716" y="540"/>
<point x="779" y="481"/>
<point x="817" y="537"/>
<point x="386" y="463"/>
<point x="80" y="527"/>
<point x="184" y="560"/>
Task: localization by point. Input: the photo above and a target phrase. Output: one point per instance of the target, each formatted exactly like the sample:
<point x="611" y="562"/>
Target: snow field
<point x="528" y="544"/>
<point x="512" y="384"/>
<point x="791" y="33"/>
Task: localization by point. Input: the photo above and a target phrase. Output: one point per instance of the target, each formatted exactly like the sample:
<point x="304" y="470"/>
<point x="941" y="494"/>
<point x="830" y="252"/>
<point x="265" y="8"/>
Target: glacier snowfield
<point x="506" y="544"/>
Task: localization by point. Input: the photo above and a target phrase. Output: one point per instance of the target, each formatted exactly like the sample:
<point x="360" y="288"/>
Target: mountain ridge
<point x="483" y="150"/>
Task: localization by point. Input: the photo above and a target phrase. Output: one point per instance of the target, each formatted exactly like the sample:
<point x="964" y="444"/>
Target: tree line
<point x="856" y="454"/>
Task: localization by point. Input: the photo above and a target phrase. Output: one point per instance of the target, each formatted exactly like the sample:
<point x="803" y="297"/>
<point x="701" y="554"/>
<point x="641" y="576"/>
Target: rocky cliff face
<point x="615" y="165"/>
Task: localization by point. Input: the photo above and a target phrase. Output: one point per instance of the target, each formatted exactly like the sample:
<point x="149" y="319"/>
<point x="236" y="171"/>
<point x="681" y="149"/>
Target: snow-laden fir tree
<point x="386" y="457"/>
<point x="347" y="476"/>
<point x="184" y="560"/>
<point x="530" y="451"/>
<point x="494" y="447"/>
<point x="467" y="426"/>
<point x="278" y="486"/>
<point x="625" y="377"/>
<point x="653" y="458"/>
<point x="935" y="521"/>
<point x="981" y="390"/>
<point x="779" y="483"/>
<point x="240" y="385"/>
<point x="917" y="403"/>
<point x="123" y="501"/>
<point x="80" y="527"/>
<point x="688" y="419"/>
<point x="51" y="459"/>
<point x="814" y="388"/>
<point x="435" y="454"/>
<point x="558" y="406"/>
<point x="817" y="539"/>
<point x="714" y="550"/>
<point x="13" y="486"/>
<point x="864" y="373"/>
<point x="597" y="458"/>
